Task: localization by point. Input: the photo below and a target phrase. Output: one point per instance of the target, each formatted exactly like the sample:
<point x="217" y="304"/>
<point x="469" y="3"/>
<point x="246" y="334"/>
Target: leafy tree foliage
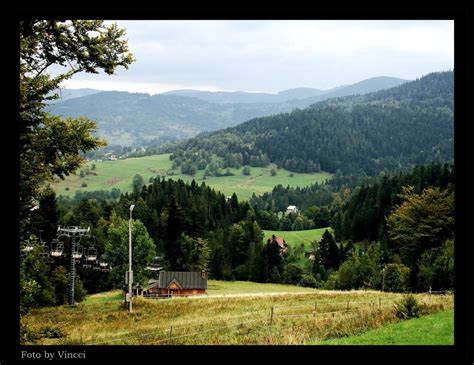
<point x="50" y="145"/>
<point x="143" y="251"/>
<point x="360" y="270"/>
<point x="363" y="215"/>
<point x="292" y="274"/>
<point x="422" y="222"/>
<point x="436" y="268"/>
<point x="195" y="253"/>
<point x="396" y="277"/>
<point x="138" y="182"/>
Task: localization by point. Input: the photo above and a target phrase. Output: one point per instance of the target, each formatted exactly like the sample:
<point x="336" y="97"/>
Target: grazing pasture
<point x="119" y="174"/>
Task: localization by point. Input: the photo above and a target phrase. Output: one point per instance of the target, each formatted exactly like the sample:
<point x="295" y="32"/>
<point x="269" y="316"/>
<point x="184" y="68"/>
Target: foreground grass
<point x="434" y="329"/>
<point x="229" y="319"/>
<point x="119" y="174"/>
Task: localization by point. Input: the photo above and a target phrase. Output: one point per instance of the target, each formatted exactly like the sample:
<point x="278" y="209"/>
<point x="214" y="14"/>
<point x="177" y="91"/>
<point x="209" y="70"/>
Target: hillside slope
<point x="388" y="129"/>
<point x="137" y="118"/>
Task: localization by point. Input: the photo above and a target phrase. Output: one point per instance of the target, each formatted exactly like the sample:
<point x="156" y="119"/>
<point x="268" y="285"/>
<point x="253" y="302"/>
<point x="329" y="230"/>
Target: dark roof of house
<point x="186" y="279"/>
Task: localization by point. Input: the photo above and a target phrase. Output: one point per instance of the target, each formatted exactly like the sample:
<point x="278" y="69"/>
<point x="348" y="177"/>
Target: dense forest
<point x="403" y="223"/>
<point x="408" y="125"/>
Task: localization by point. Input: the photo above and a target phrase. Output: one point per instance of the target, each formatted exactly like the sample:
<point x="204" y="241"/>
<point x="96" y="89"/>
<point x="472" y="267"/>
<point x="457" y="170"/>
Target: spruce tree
<point x="328" y="251"/>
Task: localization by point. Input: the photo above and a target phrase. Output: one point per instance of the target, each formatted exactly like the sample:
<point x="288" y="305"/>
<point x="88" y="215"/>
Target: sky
<point x="270" y="56"/>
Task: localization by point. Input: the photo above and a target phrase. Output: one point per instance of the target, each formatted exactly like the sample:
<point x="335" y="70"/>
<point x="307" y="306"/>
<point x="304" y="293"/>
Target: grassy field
<point x="119" y="174"/>
<point x="434" y="329"/>
<point x="243" y="316"/>
<point x="295" y="238"/>
<point x="215" y="288"/>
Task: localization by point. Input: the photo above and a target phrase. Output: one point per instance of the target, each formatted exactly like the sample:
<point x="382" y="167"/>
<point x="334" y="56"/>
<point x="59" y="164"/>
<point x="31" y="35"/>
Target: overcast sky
<point x="270" y="56"/>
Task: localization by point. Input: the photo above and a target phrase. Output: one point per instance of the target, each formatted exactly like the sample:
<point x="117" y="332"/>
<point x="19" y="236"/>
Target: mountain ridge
<point x="139" y="118"/>
<point x="387" y="129"/>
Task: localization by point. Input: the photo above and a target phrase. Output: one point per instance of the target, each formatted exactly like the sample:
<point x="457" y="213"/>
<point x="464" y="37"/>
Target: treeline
<point x="403" y="224"/>
<point x="408" y="125"/>
<point x="317" y="194"/>
<point x="362" y="217"/>
<point x="180" y="226"/>
<point x="407" y="224"/>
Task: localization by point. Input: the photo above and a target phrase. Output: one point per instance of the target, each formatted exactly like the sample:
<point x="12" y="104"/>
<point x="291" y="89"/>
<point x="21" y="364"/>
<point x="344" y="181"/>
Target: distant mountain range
<point x="137" y="118"/>
<point x="222" y="97"/>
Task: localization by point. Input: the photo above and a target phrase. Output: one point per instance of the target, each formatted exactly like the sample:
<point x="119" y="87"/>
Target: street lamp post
<point x="130" y="272"/>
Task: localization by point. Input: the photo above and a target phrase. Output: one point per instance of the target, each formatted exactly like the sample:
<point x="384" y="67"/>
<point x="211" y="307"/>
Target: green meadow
<point x="119" y="174"/>
<point x="296" y="238"/>
<point x="240" y="313"/>
<point x="434" y="329"/>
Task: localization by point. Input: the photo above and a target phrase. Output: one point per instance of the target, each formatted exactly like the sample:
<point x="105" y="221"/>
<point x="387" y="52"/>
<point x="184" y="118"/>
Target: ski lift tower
<point x="73" y="232"/>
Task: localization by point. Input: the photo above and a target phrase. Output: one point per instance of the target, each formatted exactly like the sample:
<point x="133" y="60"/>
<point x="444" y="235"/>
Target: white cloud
<point x="276" y="55"/>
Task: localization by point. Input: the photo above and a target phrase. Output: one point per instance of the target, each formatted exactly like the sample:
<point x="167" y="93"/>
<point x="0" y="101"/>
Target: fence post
<point x="271" y="316"/>
<point x="171" y="333"/>
<point x="315" y="306"/>
<point x="347" y="305"/>
<point x="380" y="302"/>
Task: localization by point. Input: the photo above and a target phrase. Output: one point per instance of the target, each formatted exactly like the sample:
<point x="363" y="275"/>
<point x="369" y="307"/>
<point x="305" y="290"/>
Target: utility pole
<point x="130" y="272"/>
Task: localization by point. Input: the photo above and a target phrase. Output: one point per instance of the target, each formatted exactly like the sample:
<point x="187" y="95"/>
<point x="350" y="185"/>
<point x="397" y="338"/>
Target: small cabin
<point x="178" y="283"/>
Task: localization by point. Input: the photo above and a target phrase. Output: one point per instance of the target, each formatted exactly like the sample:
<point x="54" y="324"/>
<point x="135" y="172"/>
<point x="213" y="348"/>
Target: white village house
<point x="291" y="209"/>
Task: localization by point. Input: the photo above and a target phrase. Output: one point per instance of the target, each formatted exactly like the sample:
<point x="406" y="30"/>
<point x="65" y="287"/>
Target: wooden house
<point x="178" y="283"/>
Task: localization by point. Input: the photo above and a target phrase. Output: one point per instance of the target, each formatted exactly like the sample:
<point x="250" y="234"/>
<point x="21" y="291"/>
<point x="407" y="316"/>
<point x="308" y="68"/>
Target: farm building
<point x="291" y="209"/>
<point x="281" y="242"/>
<point x="178" y="283"/>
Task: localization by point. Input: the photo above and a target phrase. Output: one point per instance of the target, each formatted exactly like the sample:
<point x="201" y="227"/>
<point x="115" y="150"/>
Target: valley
<point x="119" y="174"/>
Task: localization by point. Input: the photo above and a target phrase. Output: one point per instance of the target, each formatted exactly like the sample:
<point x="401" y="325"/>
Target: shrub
<point x="309" y="281"/>
<point x="408" y="307"/>
<point x="292" y="274"/>
<point x="51" y="332"/>
<point x="396" y="277"/>
<point x="84" y="185"/>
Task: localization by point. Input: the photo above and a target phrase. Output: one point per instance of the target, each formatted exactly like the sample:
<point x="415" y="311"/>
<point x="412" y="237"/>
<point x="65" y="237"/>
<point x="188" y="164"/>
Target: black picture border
<point x="461" y="352"/>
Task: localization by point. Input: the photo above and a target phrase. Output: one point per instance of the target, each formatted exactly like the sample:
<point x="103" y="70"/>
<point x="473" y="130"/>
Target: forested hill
<point x="390" y="129"/>
<point x="141" y="119"/>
